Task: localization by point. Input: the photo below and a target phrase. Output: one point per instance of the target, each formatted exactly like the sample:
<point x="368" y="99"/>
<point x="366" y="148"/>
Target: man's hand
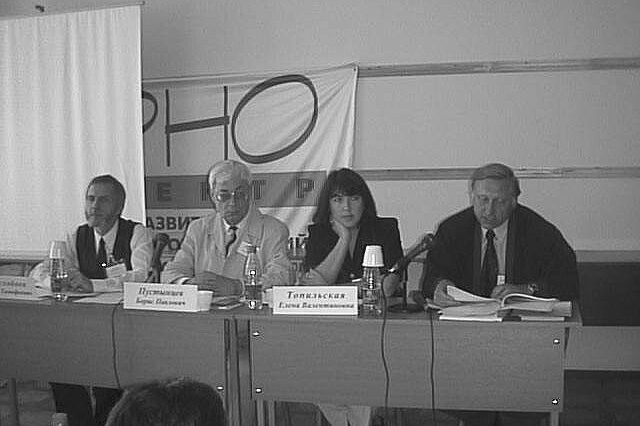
<point x="501" y="291"/>
<point x="440" y="295"/>
<point x="219" y="284"/>
<point x="78" y="282"/>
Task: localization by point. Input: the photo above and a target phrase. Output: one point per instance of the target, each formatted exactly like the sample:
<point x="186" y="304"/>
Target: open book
<point x="517" y="306"/>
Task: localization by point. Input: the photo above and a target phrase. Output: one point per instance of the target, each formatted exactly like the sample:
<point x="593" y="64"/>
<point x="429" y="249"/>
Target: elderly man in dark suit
<point x="496" y="247"/>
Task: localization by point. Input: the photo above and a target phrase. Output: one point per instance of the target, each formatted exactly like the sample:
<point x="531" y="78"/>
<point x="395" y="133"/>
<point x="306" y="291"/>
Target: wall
<point x="531" y="121"/>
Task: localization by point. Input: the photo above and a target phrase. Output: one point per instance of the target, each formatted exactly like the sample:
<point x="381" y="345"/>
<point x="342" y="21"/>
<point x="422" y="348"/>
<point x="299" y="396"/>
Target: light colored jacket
<point x="203" y="249"/>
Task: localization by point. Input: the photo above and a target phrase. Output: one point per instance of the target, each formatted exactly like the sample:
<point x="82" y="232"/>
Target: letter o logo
<point x="148" y="96"/>
<point x="283" y="152"/>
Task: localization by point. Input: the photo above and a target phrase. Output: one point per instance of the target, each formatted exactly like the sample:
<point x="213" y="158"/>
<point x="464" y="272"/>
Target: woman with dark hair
<point x="345" y="222"/>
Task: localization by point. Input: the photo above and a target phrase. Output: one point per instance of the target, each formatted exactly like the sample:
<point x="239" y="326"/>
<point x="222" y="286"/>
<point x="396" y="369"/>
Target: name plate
<point x="161" y="297"/>
<point x="315" y="300"/>
<point x="23" y="288"/>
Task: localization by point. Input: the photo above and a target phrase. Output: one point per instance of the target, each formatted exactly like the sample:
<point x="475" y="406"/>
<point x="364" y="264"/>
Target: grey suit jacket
<point x="203" y="249"/>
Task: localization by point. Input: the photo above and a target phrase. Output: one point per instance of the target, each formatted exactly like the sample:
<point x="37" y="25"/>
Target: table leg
<point x="271" y="412"/>
<point x="14" y="414"/>
<point x="260" y="412"/>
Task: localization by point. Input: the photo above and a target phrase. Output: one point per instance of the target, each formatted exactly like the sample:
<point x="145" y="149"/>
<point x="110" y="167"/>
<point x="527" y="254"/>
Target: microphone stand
<point x="403" y="306"/>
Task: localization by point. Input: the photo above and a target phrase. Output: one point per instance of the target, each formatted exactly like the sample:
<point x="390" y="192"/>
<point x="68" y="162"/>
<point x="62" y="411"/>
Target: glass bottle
<point x="57" y="271"/>
<point x="371" y="287"/>
<point x="252" y="279"/>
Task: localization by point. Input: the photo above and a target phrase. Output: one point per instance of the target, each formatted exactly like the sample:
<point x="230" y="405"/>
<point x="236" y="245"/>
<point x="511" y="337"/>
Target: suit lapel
<point x="250" y="232"/>
<point x="477" y="258"/>
<point x="510" y="256"/>
<point x="216" y="232"/>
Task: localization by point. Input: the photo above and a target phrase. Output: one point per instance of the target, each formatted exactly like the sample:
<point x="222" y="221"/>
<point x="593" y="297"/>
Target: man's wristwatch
<point x="532" y="289"/>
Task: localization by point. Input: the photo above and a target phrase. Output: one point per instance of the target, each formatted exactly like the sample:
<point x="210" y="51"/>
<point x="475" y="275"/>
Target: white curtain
<point x="70" y="109"/>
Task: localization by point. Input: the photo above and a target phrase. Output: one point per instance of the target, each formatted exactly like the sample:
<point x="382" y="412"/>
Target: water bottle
<point x="57" y="272"/>
<point x="301" y="246"/>
<point x="59" y="419"/>
<point x="296" y="253"/>
<point x="252" y="279"/>
<point x="371" y="287"/>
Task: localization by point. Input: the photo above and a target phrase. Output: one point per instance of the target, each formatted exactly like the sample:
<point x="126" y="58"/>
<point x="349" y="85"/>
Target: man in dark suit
<point x="497" y="247"/>
<point x="105" y="243"/>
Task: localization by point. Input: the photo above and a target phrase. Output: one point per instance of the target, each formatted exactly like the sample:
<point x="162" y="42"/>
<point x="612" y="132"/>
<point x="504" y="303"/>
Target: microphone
<point x="426" y="243"/>
<point x="161" y="241"/>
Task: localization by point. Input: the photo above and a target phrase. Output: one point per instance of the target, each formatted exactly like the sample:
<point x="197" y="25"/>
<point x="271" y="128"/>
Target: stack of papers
<point x="28" y="288"/>
<point x="516" y="306"/>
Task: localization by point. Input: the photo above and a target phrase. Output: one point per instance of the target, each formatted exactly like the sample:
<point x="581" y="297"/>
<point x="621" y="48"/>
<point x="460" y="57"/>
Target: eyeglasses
<point x="239" y="195"/>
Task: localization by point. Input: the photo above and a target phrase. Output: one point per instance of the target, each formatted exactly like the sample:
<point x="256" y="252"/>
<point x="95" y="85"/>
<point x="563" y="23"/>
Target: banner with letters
<point x="289" y="128"/>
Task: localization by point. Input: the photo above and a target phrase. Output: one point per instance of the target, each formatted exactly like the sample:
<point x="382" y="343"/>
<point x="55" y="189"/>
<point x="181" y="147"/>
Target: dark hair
<point x="496" y="171"/>
<point x="344" y="182"/>
<point x="118" y="188"/>
<point x="174" y="402"/>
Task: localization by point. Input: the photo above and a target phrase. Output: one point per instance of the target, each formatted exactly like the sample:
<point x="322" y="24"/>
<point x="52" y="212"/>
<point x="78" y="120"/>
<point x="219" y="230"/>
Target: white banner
<point x="289" y="128"/>
<point x="69" y="110"/>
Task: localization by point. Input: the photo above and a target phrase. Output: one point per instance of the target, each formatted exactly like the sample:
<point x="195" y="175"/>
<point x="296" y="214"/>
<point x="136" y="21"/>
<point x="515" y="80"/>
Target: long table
<point x="105" y="345"/>
<point x="256" y="356"/>
<point x="604" y="348"/>
<point x="510" y="366"/>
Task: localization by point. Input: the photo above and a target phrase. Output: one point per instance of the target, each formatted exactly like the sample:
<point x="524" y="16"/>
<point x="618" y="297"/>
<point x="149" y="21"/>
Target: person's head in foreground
<point x="174" y="402"/>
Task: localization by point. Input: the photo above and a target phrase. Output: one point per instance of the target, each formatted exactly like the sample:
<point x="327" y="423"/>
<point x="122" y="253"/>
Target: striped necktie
<point x="230" y="237"/>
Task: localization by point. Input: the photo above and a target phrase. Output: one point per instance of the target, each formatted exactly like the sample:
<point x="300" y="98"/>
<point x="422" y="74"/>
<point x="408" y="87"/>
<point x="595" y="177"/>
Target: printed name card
<point x="23" y="288"/>
<point x="161" y="297"/>
<point x="315" y="300"/>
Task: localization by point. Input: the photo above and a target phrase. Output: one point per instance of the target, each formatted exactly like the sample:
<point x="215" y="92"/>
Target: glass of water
<point x="57" y="271"/>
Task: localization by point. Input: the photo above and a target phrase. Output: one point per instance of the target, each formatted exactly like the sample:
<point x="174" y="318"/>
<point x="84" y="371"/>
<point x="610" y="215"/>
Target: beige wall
<point x="528" y="120"/>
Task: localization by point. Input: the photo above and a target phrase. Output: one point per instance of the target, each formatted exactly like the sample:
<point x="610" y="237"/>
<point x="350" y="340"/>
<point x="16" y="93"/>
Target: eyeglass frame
<point x="226" y="196"/>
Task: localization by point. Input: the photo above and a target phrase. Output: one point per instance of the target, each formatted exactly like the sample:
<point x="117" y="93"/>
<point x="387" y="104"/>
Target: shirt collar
<point x="238" y="225"/>
<point x="500" y="231"/>
<point x="109" y="237"/>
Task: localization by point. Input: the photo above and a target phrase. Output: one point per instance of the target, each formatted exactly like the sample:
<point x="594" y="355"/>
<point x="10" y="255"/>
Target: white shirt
<point x="238" y="225"/>
<point x="141" y="250"/>
<point x="141" y="247"/>
<point x="109" y="239"/>
<point x="227" y="226"/>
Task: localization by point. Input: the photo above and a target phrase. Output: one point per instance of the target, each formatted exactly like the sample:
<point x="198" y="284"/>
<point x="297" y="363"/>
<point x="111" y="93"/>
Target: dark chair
<point x="609" y="293"/>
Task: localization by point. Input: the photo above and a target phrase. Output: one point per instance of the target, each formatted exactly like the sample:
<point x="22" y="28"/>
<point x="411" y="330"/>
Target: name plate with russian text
<point x="161" y="297"/>
<point x="315" y="300"/>
<point x="22" y="288"/>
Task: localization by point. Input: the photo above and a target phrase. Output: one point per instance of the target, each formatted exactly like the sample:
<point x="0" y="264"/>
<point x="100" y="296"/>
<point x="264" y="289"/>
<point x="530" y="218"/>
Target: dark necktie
<point x="231" y="237"/>
<point x="489" y="270"/>
<point x="102" y="253"/>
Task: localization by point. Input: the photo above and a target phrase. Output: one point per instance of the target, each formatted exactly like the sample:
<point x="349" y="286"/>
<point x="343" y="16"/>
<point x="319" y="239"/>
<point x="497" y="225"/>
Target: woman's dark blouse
<point x="383" y="231"/>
